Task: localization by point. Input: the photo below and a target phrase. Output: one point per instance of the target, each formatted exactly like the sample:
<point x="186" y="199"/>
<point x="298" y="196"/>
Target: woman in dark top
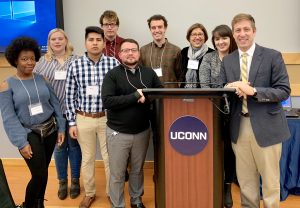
<point x="30" y="111"/>
<point x="192" y="55"/>
<point x="209" y="72"/>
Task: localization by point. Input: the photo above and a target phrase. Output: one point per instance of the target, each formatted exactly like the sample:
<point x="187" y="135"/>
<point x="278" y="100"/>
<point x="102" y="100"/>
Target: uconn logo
<point x="188" y="135"/>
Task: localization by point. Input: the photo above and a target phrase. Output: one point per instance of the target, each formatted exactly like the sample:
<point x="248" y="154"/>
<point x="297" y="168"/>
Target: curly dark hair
<point x="14" y="49"/>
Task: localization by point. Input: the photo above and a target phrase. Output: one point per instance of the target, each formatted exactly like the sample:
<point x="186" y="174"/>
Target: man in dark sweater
<point x="128" y="126"/>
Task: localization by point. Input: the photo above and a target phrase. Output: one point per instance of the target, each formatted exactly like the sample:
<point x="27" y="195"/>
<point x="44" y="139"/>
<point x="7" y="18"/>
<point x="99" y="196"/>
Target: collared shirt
<point x="82" y="73"/>
<point x="47" y="69"/>
<point x="112" y="48"/>
<point x="167" y="57"/>
<point x="250" y="53"/>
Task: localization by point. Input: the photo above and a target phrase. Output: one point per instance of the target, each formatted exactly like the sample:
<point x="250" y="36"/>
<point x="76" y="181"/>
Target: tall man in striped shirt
<point x="85" y="112"/>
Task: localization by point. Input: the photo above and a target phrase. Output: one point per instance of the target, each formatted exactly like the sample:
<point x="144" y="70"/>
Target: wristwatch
<point x="255" y="92"/>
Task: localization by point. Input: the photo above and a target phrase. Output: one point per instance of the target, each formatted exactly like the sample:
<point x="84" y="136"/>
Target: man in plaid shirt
<point x="85" y="112"/>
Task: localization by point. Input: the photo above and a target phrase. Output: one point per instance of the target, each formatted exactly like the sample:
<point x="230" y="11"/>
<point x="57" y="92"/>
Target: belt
<point x="91" y="115"/>
<point x="245" y="114"/>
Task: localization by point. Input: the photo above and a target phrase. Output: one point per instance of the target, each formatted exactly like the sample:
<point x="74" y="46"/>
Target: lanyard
<point x="27" y="90"/>
<point x="140" y="78"/>
<point x="160" y="56"/>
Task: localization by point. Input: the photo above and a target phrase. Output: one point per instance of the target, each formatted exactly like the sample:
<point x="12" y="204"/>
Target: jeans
<point x="38" y="166"/>
<point x="69" y="149"/>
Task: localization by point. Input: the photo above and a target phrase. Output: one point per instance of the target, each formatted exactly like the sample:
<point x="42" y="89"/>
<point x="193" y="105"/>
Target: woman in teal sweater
<point x="28" y="103"/>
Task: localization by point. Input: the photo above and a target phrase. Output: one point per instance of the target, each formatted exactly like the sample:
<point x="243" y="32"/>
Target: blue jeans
<point x="70" y="149"/>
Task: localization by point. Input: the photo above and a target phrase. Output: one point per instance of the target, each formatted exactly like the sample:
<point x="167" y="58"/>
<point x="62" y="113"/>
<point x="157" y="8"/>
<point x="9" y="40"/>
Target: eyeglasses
<point x="197" y="35"/>
<point x="127" y="50"/>
<point x="112" y="25"/>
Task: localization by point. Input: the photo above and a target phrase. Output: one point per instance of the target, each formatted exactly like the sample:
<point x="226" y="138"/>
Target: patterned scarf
<point x="194" y="54"/>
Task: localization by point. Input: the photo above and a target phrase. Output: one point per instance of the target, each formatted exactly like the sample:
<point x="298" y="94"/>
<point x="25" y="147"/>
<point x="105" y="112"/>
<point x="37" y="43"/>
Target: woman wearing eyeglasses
<point x="192" y="55"/>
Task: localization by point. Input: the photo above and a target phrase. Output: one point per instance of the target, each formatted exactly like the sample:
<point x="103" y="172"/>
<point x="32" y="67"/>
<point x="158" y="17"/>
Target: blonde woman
<point x="53" y="65"/>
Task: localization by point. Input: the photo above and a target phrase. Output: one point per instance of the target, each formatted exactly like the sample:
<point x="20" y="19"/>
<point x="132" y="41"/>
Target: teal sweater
<point x="15" y="113"/>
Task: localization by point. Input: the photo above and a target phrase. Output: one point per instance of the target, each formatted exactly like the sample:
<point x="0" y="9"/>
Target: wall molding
<point x="289" y="58"/>
<point x="295" y="89"/>
<point x="3" y="62"/>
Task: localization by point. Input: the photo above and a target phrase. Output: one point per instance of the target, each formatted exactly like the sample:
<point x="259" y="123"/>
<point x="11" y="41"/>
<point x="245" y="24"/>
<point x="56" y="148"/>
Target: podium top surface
<point x="188" y="92"/>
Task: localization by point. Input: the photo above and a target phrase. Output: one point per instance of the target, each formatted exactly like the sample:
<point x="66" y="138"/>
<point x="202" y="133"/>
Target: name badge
<point x="35" y="109"/>
<point x="193" y="64"/>
<point x="60" y="75"/>
<point x="158" y="72"/>
<point x="92" y="90"/>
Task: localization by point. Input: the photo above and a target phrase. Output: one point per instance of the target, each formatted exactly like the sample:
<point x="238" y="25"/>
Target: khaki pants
<point x="88" y="131"/>
<point x="253" y="161"/>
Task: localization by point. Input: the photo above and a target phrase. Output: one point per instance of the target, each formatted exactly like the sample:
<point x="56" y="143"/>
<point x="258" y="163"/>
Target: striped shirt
<point x="47" y="69"/>
<point x="82" y="74"/>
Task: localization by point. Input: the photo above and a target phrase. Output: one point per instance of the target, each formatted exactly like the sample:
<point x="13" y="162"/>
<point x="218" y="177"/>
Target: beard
<point x="130" y="64"/>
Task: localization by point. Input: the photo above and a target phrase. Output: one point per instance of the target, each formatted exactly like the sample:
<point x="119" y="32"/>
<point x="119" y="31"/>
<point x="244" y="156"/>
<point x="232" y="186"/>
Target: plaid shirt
<point x="83" y="72"/>
<point x="167" y="57"/>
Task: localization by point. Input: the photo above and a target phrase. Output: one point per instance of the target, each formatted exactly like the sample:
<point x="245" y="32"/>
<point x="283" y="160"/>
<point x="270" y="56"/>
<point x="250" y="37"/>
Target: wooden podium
<point x="192" y="181"/>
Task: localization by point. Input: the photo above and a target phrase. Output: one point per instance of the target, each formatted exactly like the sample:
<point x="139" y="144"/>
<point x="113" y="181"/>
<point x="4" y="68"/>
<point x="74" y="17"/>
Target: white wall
<point x="277" y="21"/>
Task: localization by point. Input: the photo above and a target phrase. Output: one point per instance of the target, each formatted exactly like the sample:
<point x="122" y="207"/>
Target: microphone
<point x="226" y="106"/>
<point x="198" y="83"/>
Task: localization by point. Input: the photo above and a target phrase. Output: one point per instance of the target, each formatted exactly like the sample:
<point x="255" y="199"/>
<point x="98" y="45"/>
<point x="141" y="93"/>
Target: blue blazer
<point x="269" y="76"/>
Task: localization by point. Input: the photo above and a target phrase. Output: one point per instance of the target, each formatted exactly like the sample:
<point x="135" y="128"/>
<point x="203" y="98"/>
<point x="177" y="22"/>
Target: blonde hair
<point x="68" y="50"/>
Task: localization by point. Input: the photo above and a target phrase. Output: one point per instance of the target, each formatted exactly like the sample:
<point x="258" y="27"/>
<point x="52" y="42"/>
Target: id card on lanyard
<point x="35" y="109"/>
<point x="60" y="75"/>
<point x="158" y="72"/>
<point x="193" y="64"/>
<point x="92" y="90"/>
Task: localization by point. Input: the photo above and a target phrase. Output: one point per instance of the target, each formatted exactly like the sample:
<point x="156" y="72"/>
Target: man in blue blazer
<point x="257" y="122"/>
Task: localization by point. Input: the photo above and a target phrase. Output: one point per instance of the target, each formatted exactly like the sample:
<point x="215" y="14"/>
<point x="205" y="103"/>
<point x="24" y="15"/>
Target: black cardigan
<point x="185" y="60"/>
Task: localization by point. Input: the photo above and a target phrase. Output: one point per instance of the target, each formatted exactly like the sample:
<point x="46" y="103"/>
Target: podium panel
<point x="184" y="179"/>
<point x="188" y="179"/>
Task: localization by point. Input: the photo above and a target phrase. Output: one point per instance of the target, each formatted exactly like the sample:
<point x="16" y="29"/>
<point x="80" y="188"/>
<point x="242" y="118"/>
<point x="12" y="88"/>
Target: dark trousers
<point x="229" y="157"/>
<point x="229" y="162"/>
<point x="38" y="166"/>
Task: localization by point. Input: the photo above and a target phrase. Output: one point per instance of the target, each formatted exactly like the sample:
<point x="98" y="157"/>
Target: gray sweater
<point x="15" y="113"/>
<point x="209" y="71"/>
